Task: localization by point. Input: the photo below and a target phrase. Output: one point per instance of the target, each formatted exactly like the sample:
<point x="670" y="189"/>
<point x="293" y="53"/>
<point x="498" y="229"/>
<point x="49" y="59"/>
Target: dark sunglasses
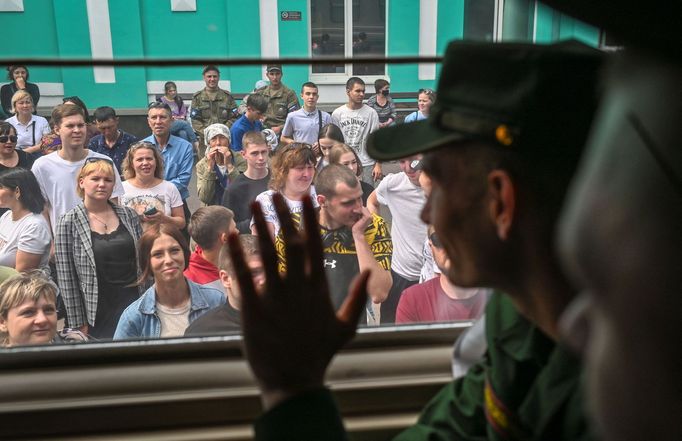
<point x="10" y="138"/>
<point x="435" y="241"/>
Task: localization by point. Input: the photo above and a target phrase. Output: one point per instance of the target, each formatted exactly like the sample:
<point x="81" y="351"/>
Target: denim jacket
<point x="140" y="320"/>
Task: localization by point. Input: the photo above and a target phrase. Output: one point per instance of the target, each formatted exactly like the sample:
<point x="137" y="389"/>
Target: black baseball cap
<point x="538" y="100"/>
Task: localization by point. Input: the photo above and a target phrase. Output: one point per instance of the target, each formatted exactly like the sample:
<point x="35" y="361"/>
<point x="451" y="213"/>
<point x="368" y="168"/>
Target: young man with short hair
<point x="254" y="181"/>
<point x="56" y="173"/>
<point x="280" y="99"/>
<point x="112" y="141"/>
<point x="209" y="228"/>
<point x="227" y="318"/>
<point x="357" y="120"/>
<point x="211" y="105"/>
<point x="404" y="197"/>
<point x="354" y="239"/>
<point x="250" y="121"/>
<point x="304" y="124"/>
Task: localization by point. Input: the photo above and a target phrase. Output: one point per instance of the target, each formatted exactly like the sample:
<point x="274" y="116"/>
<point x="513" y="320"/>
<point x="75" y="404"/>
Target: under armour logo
<point x="331" y="264"/>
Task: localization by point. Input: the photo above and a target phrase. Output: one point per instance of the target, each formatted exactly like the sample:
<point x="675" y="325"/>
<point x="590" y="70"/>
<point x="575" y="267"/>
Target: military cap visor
<point x="534" y="99"/>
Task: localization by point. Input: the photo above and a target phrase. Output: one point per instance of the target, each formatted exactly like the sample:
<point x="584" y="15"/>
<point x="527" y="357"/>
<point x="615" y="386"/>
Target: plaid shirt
<point x="76" y="271"/>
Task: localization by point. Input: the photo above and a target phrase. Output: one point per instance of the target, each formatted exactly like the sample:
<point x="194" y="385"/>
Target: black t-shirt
<point x="240" y="194"/>
<point x="221" y="320"/>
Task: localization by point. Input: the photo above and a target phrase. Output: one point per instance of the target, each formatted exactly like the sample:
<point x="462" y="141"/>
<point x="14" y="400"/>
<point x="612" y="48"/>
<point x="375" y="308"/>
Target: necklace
<point x="106" y="227"/>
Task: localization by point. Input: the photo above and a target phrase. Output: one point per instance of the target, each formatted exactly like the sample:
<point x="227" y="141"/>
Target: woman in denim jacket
<point x="173" y="302"/>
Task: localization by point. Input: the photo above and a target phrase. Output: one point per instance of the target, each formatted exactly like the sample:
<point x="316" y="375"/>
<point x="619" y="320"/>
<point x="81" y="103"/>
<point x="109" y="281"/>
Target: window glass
<point x="328" y="33"/>
<point x="369" y="34"/>
<point x="479" y="20"/>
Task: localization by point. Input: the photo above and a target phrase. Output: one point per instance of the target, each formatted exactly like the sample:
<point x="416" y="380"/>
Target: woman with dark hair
<point x="343" y="155"/>
<point x="180" y="127"/>
<point x="173" y="302"/>
<point x="18" y="76"/>
<point x="329" y="135"/>
<point x="293" y="171"/>
<point x="10" y="156"/>
<point x="383" y="103"/>
<point x="95" y="247"/>
<point x="24" y="233"/>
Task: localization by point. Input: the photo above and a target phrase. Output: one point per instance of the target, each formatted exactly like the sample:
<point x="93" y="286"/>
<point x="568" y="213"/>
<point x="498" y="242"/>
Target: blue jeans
<point x="184" y="130"/>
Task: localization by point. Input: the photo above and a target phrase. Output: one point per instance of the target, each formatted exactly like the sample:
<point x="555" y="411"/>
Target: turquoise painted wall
<point x="41" y="41"/>
<point x="221" y="28"/>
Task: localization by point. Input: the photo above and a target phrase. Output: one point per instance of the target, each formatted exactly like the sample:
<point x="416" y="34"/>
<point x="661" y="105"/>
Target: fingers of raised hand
<point x="250" y="302"/>
<point x="294" y="244"/>
<point x="273" y="281"/>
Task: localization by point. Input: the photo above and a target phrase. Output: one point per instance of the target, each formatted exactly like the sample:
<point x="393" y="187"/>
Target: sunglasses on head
<point x="10" y="138"/>
<point x="96" y="159"/>
<point x="300" y="145"/>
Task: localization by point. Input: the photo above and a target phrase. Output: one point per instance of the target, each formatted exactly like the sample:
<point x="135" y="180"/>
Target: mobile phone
<point x="150" y="210"/>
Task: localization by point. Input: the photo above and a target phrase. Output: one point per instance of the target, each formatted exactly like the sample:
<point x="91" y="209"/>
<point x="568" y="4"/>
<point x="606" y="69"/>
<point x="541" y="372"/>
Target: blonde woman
<point x="28" y="312"/>
<point x="96" y="253"/>
<point x="30" y="128"/>
<point x="154" y="199"/>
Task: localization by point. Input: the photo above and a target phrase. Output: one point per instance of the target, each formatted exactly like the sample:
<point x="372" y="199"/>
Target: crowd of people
<point x="103" y="216"/>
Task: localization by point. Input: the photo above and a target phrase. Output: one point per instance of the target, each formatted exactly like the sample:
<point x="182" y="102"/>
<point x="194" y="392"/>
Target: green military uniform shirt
<point x="280" y="103"/>
<point x="221" y="110"/>
<point x="526" y="388"/>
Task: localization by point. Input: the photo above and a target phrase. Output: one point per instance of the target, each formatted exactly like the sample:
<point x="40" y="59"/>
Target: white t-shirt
<point x="405" y="200"/>
<point x="164" y="197"/>
<point x="26" y="135"/>
<point x="356" y="126"/>
<point x="30" y="234"/>
<point x="174" y="321"/>
<point x="295" y="207"/>
<point x="57" y="179"/>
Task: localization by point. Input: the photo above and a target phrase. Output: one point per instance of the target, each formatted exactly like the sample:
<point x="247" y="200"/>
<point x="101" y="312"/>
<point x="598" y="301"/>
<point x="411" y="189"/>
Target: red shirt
<point x="427" y="302"/>
<point x="200" y="270"/>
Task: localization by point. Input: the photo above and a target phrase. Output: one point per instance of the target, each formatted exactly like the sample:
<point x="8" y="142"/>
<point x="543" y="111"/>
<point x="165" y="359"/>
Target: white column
<point x="269" y="29"/>
<point x="100" y="39"/>
<point x="428" y="31"/>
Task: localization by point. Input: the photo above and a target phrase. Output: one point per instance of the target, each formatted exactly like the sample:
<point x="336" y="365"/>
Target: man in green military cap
<point x="211" y="105"/>
<point x="501" y="146"/>
<point x="281" y="99"/>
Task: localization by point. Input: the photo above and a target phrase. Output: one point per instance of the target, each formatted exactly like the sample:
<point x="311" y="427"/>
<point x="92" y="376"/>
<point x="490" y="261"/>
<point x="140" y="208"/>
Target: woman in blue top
<point x="425" y="100"/>
<point x="173" y="302"/>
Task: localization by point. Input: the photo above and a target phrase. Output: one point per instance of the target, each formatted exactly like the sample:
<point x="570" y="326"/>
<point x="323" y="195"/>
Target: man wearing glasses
<point x="56" y="173"/>
<point x="178" y="154"/>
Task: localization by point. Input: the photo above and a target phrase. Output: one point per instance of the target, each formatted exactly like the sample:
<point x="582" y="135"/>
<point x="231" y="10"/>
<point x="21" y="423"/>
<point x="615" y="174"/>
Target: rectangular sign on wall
<point x="290" y="15"/>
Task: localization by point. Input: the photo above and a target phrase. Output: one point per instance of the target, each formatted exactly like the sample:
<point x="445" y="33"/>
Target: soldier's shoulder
<point x="197" y="93"/>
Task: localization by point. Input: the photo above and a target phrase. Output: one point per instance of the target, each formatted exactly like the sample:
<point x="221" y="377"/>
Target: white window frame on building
<point x="342" y="77"/>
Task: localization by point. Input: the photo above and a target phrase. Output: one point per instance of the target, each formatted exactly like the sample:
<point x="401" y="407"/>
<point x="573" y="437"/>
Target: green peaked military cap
<point x="537" y="100"/>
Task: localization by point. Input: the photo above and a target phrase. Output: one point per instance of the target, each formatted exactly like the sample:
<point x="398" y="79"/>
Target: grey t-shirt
<point x="356" y="126"/>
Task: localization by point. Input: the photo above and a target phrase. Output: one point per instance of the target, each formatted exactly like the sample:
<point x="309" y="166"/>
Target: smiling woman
<point x="173" y="302"/>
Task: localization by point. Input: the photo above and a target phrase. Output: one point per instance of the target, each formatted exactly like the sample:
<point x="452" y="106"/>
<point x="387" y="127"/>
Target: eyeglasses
<point x="10" y="138"/>
<point x="435" y="241"/>
<point x="427" y="91"/>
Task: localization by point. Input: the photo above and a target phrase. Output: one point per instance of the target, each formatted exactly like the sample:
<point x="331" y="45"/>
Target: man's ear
<point x="3" y="324"/>
<point x="225" y="279"/>
<point x="502" y="204"/>
<point x="321" y="199"/>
